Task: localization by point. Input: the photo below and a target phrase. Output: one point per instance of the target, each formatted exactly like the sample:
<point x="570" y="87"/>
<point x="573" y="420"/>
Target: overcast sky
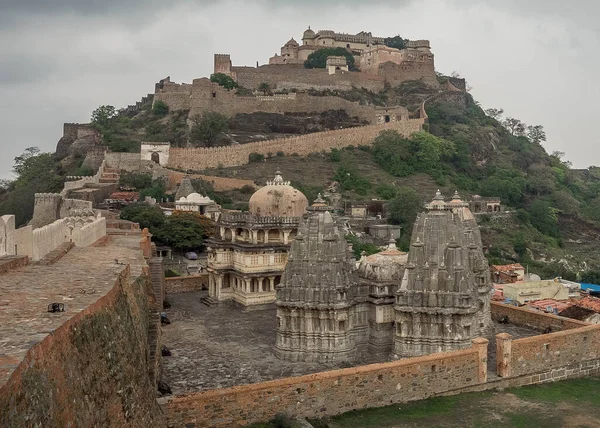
<point x="59" y="59"/>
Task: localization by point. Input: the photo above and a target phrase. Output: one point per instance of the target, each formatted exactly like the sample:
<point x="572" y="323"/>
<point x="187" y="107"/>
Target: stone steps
<point x="209" y="301"/>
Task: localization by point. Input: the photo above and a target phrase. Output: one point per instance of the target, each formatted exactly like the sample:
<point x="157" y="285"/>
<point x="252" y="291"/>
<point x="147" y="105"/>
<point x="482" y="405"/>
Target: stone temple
<point x="394" y="304"/>
<point x="246" y="258"/>
<point x="443" y="300"/>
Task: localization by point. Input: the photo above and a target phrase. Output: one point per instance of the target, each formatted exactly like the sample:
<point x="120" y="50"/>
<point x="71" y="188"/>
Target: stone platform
<point x="78" y="279"/>
<point x="220" y="346"/>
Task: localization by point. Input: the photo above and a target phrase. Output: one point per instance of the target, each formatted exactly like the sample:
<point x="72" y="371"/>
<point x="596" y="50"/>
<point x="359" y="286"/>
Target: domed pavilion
<point x="248" y="254"/>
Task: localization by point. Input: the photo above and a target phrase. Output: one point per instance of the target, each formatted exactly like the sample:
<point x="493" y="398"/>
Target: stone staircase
<point x="109" y="176"/>
<point x="210" y="301"/>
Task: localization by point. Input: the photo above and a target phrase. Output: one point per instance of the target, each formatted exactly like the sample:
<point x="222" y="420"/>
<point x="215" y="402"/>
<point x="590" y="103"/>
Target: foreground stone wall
<point x="92" y="370"/>
<point x="201" y="158"/>
<point x="89" y="233"/>
<point x="333" y="392"/>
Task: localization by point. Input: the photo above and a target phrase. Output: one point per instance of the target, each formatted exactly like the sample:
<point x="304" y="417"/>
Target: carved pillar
<point x="254" y="236"/>
<point x="232" y="235"/>
<point x="503" y="354"/>
<point x="247" y="285"/>
<point x="271" y="283"/>
<point x="286" y="234"/>
<point x="222" y="233"/>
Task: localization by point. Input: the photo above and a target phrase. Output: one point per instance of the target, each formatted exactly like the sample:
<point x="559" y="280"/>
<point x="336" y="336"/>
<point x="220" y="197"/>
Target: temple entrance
<point x="155" y="157"/>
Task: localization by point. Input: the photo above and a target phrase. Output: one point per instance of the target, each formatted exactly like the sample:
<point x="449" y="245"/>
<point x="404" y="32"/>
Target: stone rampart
<point x="47" y="238"/>
<point x="219" y="183"/>
<point x="7" y="235"/>
<point x="186" y="284"/>
<point x="195" y="159"/>
<point x="93" y="370"/>
<point x="89" y="233"/>
<point x="533" y="319"/>
<point x="69" y="205"/>
<point x="333" y="392"/>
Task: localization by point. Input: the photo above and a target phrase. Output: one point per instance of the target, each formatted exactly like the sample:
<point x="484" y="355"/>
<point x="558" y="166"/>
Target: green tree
<point x="386" y="191"/>
<point x="36" y="173"/>
<point x="536" y="134"/>
<point x="102" y="115"/>
<point x="591" y="277"/>
<point x="207" y="128"/>
<point x="396" y="42"/>
<point x="223" y="80"/>
<point x="265" y="88"/>
<point x="544" y="217"/>
<point x="404" y="208"/>
<point x="318" y="59"/>
<point x="185" y="230"/>
<point x="350" y="179"/>
<point x="150" y="216"/>
<point x="132" y="179"/>
<point x="160" y="108"/>
<point x="358" y="247"/>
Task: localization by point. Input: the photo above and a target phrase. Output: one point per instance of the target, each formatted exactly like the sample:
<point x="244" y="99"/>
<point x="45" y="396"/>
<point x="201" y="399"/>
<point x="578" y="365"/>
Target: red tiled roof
<point x="543" y="305"/>
<point x="589" y="303"/>
<point x="125" y="196"/>
<point x="505" y="268"/>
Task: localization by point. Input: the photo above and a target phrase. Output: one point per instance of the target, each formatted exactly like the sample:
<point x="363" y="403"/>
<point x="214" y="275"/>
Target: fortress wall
<point x="68" y="205"/>
<point x="23" y="241"/>
<point x="89" y="233"/>
<point x="333" y="392"/>
<point x="202" y="158"/>
<point x="289" y="76"/>
<point x="92" y="370"/>
<point x="226" y="102"/>
<point x="409" y="70"/>
<point x="123" y="161"/>
<point x="48" y="238"/>
<point x="219" y="183"/>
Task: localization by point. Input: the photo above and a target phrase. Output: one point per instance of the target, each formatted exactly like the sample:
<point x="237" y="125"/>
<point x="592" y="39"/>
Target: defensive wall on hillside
<point x="203" y="95"/>
<point x="97" y="363"/>
<point x="548" y="357"/>
<point x="195" y="159"/>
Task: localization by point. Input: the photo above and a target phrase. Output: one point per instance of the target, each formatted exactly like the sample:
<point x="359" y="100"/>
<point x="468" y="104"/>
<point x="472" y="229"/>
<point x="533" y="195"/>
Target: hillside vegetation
<point x="553" y="226"/>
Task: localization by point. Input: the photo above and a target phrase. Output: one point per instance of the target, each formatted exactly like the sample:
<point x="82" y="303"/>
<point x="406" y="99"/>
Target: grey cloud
<point x="19" y="69"/>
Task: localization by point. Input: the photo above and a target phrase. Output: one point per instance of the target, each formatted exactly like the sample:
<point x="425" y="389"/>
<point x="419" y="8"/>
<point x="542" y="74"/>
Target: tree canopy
<point x="395" y="42"/>
<point x="318" y="59"/>
<point x="223" y="80"/>
<point x="206" y="128"/>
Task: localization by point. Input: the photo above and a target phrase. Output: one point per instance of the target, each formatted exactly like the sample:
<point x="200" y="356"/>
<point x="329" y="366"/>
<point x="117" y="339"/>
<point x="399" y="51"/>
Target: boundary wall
<point x="79" y="182"/>
<point x="574" y="352"/>
<point x="186" y="284"/>
<point x="333" y="392"/>
<point x="88" y="233"/>
<point x="93" y="370"/>
<point x="195" y="159"/>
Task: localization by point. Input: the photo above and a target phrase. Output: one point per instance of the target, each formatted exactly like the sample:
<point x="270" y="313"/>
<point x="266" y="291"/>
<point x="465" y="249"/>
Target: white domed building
<point x="248" y="254"/>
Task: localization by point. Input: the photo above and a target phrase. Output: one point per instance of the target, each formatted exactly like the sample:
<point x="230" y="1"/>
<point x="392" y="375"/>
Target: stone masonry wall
<point x="92" y="370"/>
<point x="531" y="355"/>
<point x="333" y="392"/>
<point x="186" y="284"/>
<point x="89" y="233"/>
<point x="533" y="319"/>
<point x="201" y="158"/>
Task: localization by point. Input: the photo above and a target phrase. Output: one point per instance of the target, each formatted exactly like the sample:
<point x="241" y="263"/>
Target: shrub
<point x="223" y="80"/>
<point x="206" y="128"/>
<point x="335" y="155"/>
<point x="247" y="189"/>
<point x="160" y="109"/>
<point x="171" y="273"/>
<point x="386" y="191"/>
<point x="255" y="157"/>
<point x="280" y="154"/>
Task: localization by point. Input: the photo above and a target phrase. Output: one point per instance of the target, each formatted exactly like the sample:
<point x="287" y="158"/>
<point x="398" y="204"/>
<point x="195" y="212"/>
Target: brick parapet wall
<point x="549" y="351"/>
<point x="333" y="392"/>
<point x="186" y="284"/>
<point x="203" y="158"/>
<point x="92" y="370"/>
<point x="533" y="319"/>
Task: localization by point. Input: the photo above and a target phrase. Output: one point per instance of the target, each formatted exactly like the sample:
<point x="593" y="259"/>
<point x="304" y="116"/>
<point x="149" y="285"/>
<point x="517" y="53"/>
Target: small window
<point x="214" y="95"/>
<point x="348" y="46"/>
<point x="387" y="118"/>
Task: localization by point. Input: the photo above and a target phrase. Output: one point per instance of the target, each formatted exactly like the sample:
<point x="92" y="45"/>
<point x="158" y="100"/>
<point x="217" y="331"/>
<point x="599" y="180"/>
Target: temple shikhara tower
<point x="443" y="300"/>
<point x="316" y="296"/>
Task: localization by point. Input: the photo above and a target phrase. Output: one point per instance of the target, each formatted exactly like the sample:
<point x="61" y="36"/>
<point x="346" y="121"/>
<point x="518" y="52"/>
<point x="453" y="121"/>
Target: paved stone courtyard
<point x="219" y="347"/>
